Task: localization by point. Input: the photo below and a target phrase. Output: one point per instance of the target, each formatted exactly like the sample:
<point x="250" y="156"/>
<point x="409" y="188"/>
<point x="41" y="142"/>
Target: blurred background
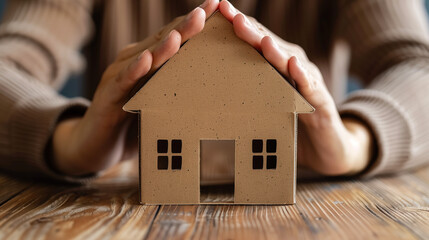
<point x="73" y="87"/>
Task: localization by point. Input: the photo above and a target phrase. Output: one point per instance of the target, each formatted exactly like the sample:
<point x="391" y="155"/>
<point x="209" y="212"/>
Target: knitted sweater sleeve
<point x="39" y="49"/>
<point x="389" y="43"/>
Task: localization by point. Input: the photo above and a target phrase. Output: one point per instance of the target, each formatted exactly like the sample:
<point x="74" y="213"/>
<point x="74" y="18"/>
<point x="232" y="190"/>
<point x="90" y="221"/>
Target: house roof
<point x="217" y="71"/>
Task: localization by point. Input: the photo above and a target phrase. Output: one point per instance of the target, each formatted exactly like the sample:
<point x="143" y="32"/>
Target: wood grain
<point x="222" y="194"/>
<point x="395" y="207"/>
<point x="385" y="208"/>
<point x="102" y="210"/>
<point x="10" y="187"/>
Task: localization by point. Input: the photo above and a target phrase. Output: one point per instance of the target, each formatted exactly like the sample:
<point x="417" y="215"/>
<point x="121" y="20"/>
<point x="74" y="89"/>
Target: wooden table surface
<point x="382" y="208"/>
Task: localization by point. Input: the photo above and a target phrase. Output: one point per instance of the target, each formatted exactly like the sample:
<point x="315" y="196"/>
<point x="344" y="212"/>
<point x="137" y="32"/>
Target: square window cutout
<point x="176" y="146"/>
<point x="162" y="146"/>
<point x="258" y="162"/>
<point x="176" y="162"/>
<point x="271" y="145"/>
<point x="257" y="145"/>
<point x="271" y="162"/>
<point x="162" y="162"/>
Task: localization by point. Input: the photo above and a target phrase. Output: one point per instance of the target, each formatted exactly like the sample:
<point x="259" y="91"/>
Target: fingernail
<point x="171" y="33"/>
<point x="134" y="63"/>
<point x="191" y="14"/>
<point x="246" y="21"/>
<point x="232" y="8"/>
<point x="205" y="4"/>
<point x="168" y="36"/>
<point x="142" y="54"/>
<point x="273" y="42"/>
<point x="301" y="67"/>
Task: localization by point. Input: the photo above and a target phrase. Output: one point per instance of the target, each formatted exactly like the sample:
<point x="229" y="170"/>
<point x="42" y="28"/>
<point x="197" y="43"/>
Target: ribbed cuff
<point x="26" y="56"/>
<point x="388" y="124"/>
<point x="31" y="126"/>
<point x="62" y="60"/>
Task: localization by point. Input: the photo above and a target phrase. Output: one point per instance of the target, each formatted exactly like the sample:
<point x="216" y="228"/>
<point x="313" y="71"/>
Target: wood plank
<point x="108" y="208"/>
<point x="406" y="202"/>
<point x="11" y="187"/>
<point x="392" y="207"/>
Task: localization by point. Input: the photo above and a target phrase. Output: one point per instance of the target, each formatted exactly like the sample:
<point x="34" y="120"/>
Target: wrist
<point x="63" y="152"/>
<point x="361" y="145"/>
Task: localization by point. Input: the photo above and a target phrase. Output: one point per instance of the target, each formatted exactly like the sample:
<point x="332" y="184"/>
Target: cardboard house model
<point x="217" y="88"/>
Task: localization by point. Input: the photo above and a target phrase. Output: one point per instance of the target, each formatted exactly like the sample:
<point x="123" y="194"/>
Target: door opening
<point x="217" y="171"/>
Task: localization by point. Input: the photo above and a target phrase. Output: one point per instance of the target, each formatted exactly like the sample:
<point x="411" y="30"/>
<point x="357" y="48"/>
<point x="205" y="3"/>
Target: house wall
<point x="251" y="186"/>
<point x="266" y="186"/>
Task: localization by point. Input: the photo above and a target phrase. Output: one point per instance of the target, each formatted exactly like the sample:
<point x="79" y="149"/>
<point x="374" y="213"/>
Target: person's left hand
<point x="327" y="144"/>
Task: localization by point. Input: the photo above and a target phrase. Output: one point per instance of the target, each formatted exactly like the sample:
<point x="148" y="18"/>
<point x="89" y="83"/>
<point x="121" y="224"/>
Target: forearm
<point x="30" y="111"/>
<point x="363" y="144"/>
<point x="39" y="48"/>
<point x="394" y="108"/>
<point x="391" y="58"/>
<point x="43" y="38"/>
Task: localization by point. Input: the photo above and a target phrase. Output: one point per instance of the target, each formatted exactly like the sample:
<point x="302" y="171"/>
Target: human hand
<point x="326" y="143"/>
<point x="98" y="140"/>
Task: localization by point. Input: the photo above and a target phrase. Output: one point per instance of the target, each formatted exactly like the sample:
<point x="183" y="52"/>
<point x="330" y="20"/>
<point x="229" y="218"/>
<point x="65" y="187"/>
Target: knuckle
<point x="300" y="52"/>
<point x="258" y="26"/>
<point x="315" y="72"/>
<point x="314" y="85"/>
<point x="312" y="65"/>
<point x="296" y="50"/>
<point x="252" y="20"/>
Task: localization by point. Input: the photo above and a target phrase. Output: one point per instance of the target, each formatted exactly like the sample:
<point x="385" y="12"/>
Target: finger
<point x="134" y="49"/>
<point x="210" y="6"/>
<point x="131" y="51"/>
<point x="192" y="24"/>
<point x="166" y="50"/>
<point x="274" y="55"/>
<point x="160" y="53"/>
<point x="300" y="76"/>
<point x="228" y="10"/>
<point x="140" y="67"/>
<point x="246" y="31"/>
<point x="135" y="70"/>
<point x="187" y="26"/>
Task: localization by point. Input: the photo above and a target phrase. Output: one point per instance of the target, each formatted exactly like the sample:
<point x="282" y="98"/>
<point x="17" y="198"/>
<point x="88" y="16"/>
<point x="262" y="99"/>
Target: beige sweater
<point x="385" y="43"/>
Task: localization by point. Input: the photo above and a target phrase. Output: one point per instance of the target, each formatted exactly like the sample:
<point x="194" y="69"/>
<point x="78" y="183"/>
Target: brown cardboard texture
<point x="217" y="88"/>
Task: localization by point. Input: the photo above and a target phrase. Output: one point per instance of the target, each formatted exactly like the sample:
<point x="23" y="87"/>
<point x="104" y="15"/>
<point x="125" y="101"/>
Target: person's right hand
<point x="97" y="140"/>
